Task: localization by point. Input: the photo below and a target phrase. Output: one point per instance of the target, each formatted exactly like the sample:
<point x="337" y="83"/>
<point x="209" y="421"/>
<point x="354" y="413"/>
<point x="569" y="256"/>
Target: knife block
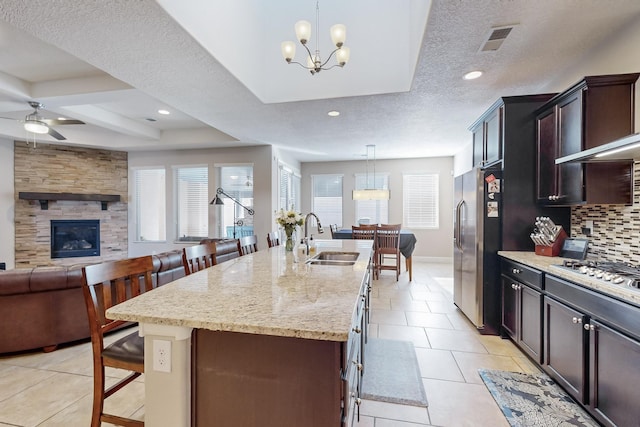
<point x="553" y="250"/>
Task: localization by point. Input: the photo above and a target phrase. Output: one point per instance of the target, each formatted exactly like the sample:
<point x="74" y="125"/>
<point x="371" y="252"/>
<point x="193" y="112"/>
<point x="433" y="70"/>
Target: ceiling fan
<point x="35" y="123"/>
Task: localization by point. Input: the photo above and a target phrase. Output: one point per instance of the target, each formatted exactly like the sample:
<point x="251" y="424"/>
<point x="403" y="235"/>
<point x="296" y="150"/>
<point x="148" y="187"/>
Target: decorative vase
<point x="290" y="243"/>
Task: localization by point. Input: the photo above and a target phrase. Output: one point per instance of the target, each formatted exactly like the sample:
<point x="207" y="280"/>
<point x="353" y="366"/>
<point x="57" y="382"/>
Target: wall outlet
<point x="162" y="356"/>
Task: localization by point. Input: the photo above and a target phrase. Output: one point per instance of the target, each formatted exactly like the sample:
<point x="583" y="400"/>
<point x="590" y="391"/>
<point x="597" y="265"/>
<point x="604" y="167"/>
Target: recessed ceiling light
<point x="472" y="75"/>
<point x="333" y="113"/>
<point x="165" y="112"/>
<point x="62" y="118"/>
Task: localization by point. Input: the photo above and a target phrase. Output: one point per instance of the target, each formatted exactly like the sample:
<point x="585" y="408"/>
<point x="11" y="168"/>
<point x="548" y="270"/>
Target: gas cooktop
<point x="618" y="273"/>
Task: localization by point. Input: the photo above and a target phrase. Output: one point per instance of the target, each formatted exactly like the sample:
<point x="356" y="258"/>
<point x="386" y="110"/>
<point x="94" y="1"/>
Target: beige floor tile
<point x="380" y="304"/>
<point x="390" y="411"/>
<point x="39" y="402"/>
<point x="373" y="330"/>
<point x="443" y="306"/>
<point x="381" y="422"/>
<point x="438" y="364"/>
<point x="364" y="421"/>
<point x="389" y="317"/>
<point x="453" y="404"/>
<point x="460" y="322"/>
<point x="427" y="295"/>
<point x="527" y="365"/>
<point x="455" y="340"/>
<point x="125" y="402"/>
<point x="15" y="379"/>
<point x="405" y="333"/>
<point x="428" y="320"/>
<point x="409" y="305"/>
<point x="41" y="360"/>
<point x="499" y="346"/>
<point x="470" y="363"/>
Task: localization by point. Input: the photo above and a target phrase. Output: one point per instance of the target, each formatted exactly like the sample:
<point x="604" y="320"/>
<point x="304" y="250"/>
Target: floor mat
<point x="391" y="373"/>
<point x="533" y="400"/>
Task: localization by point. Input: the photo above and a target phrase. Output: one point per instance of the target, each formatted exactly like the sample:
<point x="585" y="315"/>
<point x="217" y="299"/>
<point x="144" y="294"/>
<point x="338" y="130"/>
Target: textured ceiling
<point x="113" y="63"/>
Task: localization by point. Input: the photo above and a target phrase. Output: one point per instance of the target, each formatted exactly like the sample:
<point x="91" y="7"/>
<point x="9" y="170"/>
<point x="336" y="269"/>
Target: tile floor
<point x="55" y="389"/>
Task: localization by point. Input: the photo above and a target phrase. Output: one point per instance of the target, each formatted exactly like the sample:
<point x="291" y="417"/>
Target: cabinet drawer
<point x="523" y="274"/>
<point x="617" y="314"/>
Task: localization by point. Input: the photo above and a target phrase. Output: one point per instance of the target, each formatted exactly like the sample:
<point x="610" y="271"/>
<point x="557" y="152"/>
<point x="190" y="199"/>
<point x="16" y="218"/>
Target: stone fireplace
<point x="73" y="170"/>
<point x="75" y="238"/>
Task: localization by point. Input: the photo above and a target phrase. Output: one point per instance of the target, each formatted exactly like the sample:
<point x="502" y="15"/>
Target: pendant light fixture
<point x="371" y="193"/>
<point x="314" y="62"/>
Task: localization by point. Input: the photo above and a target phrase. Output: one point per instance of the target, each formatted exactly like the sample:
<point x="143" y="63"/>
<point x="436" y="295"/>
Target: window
<point x="376" y="211"/>
<point x="150" y="204"/>
<point x="420" y="200"/>
<point x="237" y="182"/>
<point x="192" y="204"/>
<point x="289" y="189"/>
<point x="327" y="198"/>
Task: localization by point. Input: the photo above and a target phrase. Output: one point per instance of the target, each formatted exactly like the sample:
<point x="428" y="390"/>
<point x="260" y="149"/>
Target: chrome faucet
<point x="306" y="228"/>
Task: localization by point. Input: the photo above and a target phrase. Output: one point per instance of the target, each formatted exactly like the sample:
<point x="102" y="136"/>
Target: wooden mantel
<point x="44" y="198"/>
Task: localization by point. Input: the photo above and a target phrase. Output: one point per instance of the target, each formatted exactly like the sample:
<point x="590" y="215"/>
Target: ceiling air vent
<point x="496" y="37"/>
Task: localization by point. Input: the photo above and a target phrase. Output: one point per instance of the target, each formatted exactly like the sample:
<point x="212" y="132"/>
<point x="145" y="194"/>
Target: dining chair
<point x="105" y="285"/>
<point x="198" y="257"/>
<point x="248" y="244"/>
<point x="333" y="228"/>
<point x="273" y="239"/>
<point x="387" y="246"/>
<point x="363" y="232"/>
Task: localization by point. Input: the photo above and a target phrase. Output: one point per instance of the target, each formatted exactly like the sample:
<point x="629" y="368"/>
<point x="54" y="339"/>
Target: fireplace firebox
<point x="75" y="238"/>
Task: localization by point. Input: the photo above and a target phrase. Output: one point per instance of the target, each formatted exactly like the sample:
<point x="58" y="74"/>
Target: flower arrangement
<point x="289" y="220"/>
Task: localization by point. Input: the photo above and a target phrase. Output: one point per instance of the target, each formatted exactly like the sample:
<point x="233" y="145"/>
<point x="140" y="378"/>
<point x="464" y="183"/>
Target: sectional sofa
<point x="43" y="307"/>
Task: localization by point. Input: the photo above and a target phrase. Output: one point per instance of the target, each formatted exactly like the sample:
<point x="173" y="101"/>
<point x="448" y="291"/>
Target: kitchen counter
<point x="269" y="298"/>
<point x="551" y="265"/>
<point x="263" y="293"/>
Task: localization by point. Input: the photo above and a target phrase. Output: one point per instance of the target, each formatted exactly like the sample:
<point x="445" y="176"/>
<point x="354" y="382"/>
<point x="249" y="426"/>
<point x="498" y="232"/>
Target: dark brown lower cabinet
<point x="521" y="316"/>
<point x="614" y="376"/>
<point x="565" y="347"/>
<point x="261" y="380"/>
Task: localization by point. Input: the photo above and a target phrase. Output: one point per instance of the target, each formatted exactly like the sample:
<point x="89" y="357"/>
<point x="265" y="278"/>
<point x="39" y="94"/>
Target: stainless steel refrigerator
<point x="477" y="239"/>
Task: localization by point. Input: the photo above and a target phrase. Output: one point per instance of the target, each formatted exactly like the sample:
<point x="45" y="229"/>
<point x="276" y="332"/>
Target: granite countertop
<point x="266" y="292"/>
<point x="551" y="265"/>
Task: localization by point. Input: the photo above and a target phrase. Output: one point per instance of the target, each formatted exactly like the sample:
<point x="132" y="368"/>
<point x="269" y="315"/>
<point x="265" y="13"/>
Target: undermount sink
<point x="334" y="258"/>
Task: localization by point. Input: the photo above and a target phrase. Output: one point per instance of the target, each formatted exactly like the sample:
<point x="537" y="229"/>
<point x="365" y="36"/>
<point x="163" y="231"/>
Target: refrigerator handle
<point x="458" y="230"/>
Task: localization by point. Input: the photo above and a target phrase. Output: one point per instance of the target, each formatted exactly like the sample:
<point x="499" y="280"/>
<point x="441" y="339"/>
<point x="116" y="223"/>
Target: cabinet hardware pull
<point x="514" y="286"/>
<point x="589" y="327"/>
<point x="516" y="271"/>
<point x="356" y="330"/>
<point x="358" y="365"/>
<point x="577" y="320"/>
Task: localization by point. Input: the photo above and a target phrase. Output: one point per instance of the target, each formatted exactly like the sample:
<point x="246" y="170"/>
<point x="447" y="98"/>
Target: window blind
<point x="327" y="198"/>
<point x="150" y="204"/>
<point x="192" y="204"/>
<point x="420" y="200"/>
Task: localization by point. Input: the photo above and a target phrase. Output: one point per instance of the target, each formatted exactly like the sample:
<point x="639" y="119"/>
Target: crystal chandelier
<point x="314" y="61"/>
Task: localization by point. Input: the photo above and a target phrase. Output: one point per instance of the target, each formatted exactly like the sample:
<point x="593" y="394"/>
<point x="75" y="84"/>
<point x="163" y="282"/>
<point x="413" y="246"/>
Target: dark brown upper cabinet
<point x="594" y="111"/>
<point x="488" y="137"/>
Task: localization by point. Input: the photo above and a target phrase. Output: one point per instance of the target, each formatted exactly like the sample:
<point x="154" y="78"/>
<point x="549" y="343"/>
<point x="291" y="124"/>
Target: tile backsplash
<point x="616" y="228"/>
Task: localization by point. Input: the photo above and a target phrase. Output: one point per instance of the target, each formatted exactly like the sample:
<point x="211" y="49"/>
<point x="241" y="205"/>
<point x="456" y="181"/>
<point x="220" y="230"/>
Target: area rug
<point x="391" y="373"/>
<point x="533" y="400"/>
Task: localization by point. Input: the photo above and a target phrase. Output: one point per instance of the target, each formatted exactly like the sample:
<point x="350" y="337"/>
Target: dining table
<point x="407" y="245"/>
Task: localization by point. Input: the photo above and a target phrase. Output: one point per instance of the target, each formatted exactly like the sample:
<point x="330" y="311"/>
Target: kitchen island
<point x="264" y="339"/>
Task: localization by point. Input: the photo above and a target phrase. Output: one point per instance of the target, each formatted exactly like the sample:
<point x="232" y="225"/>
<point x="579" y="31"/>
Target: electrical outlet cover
<point x="162" y="356"/>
